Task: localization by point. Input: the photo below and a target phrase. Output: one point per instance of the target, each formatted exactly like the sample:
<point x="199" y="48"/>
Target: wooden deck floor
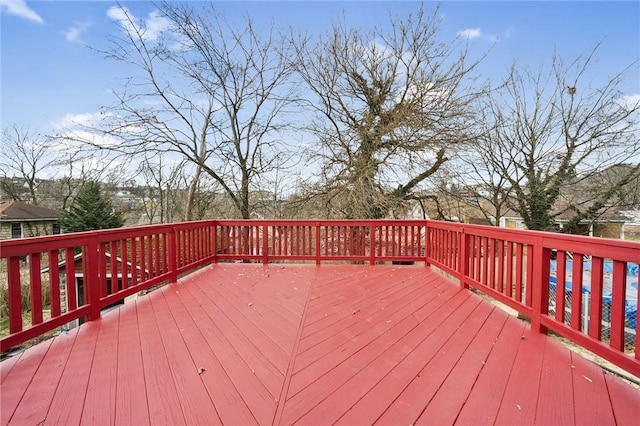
<point x="243" y="344"/>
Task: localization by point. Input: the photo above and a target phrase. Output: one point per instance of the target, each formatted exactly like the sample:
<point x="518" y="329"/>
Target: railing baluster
<point x="576" y="292"/>
<point x="54" y="283"/>
<point x="15" y="295"/>
<point x="619" y="291"/>
<point x="36" y="288"/>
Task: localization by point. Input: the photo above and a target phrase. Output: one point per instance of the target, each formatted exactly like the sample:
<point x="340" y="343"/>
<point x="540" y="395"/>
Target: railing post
<point x="215" y="243"/>
<point x="427" y="244"/>
<point x="318" y="246"/>
<point x="372" y="243"/>
<point x="538" y="284"/>
<point x="265" y="244"/>
<point x="92" y="282"/>
<point x="463" y="257"/>
<point x="173" y="255"/>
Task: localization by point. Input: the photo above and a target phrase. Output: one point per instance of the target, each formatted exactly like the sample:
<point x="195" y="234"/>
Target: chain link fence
<point x="631" y="299"/>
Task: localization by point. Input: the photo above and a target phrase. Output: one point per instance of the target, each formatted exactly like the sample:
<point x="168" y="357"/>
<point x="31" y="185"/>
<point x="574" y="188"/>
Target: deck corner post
<point x="318" y="247"/>
<point x="173" y="255"/>
<point x="372" y="243"/>
<point x="265" y="243"/>
<point x="539" y="287"/>
<point x="463" y="257"/>
<point x="427" y="244"/>
<point x="214" y="236"/>
<point x="92" y="277"/>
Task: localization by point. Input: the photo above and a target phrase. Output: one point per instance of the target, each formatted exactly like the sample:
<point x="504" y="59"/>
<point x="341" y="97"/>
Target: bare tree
<point x="160" y="185"/>
<point x="387" y="104"/>
<point x="210" y="92"/>
<point x="24" y="155"/>
<point x="548" y="130"/>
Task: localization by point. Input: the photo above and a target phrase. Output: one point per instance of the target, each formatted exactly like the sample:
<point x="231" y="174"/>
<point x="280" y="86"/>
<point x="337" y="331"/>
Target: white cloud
<point x="73" y="34"/>
<point x="85" y="120"/>
<point x="632" y="101"/>
<point x="149" y="28"/>
<point x="20" y="8"/>
<point x="470" y="33"/>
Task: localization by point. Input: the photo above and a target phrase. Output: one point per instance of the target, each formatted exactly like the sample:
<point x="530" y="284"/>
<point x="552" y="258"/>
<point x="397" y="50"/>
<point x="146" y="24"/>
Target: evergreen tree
<point x="90" y="210"/>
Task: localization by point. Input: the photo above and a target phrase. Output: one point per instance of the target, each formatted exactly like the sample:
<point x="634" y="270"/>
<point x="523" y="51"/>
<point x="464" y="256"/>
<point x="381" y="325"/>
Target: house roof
<point x="18" y="211"/>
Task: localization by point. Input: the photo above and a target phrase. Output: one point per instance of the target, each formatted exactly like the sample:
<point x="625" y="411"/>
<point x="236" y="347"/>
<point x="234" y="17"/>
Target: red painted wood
<point x="70" y="277"/>
<point x="7" y="365"/>
<point x="36" y="288"/>
<point x="194" y="399"/>
<point x="54" y="283"/>
<point x="352" y="327"/>
<point x="389" y="375"/>
<point x="413" y="400"/>
<point x="509" y="281"/>
<point x="67" y="403"/>
<point x="500" y="266"/>
<point x="576" y="291"/>
<point x="519" y="268"/>
<point x="518" y="404"/>
<point x="451" y="396"/>
<point x="485" y="397"/>
<point x="561" y="276"/>
<point x="555" y="396"/>
<point x="34" y="404"/>
<point x="591" y="399"/>
<point x="16" y="382"/>
<point x="625" y="406"/>
<point x="619" y="290"/>
<point x="99" y="403"/>
<point x="234" y="381"/>
<point x="162" y="394"/>
<point x="175" y="332"/>
<point x="595" y="311"/>
<point x="346" y="367"/>
<point x="338" y="313"/>
<point x="15" y="295"/>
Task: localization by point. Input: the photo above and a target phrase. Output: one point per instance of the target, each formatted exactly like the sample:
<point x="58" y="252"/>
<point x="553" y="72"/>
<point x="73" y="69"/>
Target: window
<point x="16" y="230"/>
<point x="55" y="228"/>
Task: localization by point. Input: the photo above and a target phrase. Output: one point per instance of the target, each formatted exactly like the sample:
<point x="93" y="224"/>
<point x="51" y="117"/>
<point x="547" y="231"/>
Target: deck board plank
<point x="162" y="395"/>
<point x="520" y="398"/>
<point x="238" y="394"/>
<point x="555" y="397"/>
<point x="131" y="394"/>
<point x="484" y="398"/>
<point x="416" y="346"/>
<point x="237" y="325"/>
<point x="441" y="359"/>
<point x="19" y="378"/>
<point x="35" y="403"/>
<point x="451" y="396"/>
<point x="591" y="399"/>
<point x="196" y="404"/>
<point x="227" y="333"/>
<point x="99" y="406"/>
<point x="377" y="305"/>
<point x="68" y="401"/>
<point x="625" y="408"/>
<point x="352" y="326"/>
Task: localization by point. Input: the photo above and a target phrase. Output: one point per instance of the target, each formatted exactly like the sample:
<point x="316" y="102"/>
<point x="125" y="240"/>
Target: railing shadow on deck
<point x="54" y="280"/>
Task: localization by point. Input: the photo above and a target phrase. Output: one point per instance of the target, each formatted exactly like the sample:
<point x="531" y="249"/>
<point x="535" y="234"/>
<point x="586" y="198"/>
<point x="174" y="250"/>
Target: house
<point x="20" y="220"/>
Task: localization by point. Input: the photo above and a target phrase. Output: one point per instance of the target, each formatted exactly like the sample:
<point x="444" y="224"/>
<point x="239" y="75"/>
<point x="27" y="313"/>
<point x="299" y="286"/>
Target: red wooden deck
<point x="284" y="344"/>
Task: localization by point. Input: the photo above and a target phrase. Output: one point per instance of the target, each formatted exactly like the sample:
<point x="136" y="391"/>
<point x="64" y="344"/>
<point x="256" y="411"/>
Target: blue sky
<point x="49" y="72"/>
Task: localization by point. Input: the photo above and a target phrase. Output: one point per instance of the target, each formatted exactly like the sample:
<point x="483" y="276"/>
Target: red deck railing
<point x="522" y="269"/>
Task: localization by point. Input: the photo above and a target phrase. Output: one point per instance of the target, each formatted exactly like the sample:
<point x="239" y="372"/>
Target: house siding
<point x="29" y="228"/>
